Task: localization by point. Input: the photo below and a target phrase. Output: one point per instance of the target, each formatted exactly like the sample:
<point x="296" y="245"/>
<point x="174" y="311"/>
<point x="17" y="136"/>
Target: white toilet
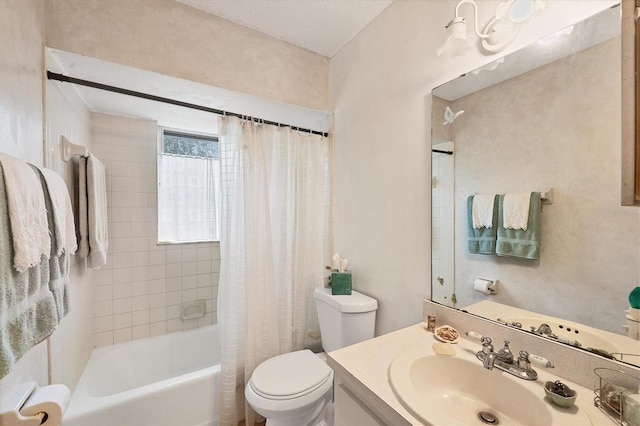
<point x="297" y="388"/>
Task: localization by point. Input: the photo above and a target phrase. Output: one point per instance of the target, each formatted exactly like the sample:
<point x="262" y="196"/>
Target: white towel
<point x="97" y="212"/>
<point x="515" y="210"/>
<point x="65" y="235"/>
<point x="482" y="211"/>
<point x="27" y="213"/>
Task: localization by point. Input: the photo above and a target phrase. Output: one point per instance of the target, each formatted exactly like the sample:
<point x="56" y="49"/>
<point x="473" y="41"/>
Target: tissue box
<point x="341" y="282"/>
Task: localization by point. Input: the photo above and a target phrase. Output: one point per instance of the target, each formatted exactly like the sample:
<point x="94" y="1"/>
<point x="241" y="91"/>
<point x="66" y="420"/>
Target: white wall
<point x="22" y="131"/>
<point x="21" y="65"/>
<point x="170" y="38"/>
<point x="380" y="88"/>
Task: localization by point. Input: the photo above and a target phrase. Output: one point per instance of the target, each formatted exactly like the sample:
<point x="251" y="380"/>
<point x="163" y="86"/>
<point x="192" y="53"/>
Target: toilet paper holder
<point x="24" y="406"/>
<point x="485" y="286"/>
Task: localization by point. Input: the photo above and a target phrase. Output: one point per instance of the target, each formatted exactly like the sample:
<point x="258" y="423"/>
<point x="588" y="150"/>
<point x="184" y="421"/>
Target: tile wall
<point x="140" y="291"/>
<point x="72" y="342"/>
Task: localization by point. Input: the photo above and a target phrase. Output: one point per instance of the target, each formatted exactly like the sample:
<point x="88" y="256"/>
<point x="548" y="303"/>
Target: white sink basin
<point x="445" y="390"/>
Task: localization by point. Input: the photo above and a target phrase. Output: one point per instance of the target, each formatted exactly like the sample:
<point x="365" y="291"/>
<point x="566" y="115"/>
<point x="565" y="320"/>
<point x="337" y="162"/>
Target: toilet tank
<point x="344" y="319"/>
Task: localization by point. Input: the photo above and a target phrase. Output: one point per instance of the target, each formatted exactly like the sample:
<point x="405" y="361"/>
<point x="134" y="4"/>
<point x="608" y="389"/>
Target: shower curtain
<point x="272" y="212"/>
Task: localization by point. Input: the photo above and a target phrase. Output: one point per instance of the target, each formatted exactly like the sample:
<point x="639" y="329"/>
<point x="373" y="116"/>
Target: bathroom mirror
<point x="546" y="117"/>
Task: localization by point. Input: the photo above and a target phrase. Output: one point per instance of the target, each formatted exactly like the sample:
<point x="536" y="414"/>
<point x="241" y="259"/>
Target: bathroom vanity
<point x="367" y="392"/>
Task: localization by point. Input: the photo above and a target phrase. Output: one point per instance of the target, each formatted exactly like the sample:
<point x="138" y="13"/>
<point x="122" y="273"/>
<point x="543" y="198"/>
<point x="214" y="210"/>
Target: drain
<point x="488" y="418"/>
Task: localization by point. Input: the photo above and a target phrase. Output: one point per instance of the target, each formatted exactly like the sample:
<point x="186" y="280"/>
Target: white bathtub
<point x="171" y="379"/>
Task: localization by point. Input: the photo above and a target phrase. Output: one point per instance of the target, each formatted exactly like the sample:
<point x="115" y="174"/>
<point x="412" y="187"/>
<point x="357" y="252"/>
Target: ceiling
<point x="321" y="26"/>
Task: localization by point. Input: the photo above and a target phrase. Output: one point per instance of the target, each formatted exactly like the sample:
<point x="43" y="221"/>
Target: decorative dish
<point x="560" y="394"/>
<point x="446" y="333"/>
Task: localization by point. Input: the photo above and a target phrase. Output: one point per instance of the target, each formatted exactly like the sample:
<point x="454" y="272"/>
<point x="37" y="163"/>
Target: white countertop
<point x="364" y="369"/>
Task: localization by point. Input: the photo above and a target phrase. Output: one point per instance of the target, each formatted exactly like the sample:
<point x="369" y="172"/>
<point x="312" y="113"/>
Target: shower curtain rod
<point x="66" y="79"/>
<point x="439" y="151"/>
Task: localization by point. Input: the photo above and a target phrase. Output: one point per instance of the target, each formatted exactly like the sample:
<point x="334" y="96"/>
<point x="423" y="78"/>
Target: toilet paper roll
<point x="483" y="286"/>
<point x="633" y="328"/>
<point x="52" y="400"/>
<point x="634" y="313"/>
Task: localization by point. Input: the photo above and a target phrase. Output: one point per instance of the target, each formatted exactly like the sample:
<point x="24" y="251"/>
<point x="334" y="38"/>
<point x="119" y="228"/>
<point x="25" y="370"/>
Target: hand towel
<point x="64" y="231"/>
<point x="518" y="242"/>
<point x="27" y="213"/>
<point x="27" y="308"/>
<point x="83" y="214"/>
<point x="483" y="240"/>
<point x="97" y="212"/>
<point x="483" y="209"/>
<point x="59" y="260"/>
<point x="515" y="210"/>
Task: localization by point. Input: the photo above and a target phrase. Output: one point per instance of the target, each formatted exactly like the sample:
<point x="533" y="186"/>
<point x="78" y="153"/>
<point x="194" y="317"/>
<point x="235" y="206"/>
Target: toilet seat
<point x="290" y="376"/>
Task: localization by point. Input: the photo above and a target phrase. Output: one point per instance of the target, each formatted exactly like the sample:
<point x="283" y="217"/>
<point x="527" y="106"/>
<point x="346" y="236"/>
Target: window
<point x="188" y="187"/>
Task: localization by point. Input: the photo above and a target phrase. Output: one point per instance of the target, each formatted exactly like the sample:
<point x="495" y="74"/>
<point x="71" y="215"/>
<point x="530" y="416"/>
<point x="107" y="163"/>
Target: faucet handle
<point x="523" y="361"/>
<point x="487" y="347"/>
<point x="475" y="336"/>
<point x="541" y="361"/>
<point x="479" y="337"/>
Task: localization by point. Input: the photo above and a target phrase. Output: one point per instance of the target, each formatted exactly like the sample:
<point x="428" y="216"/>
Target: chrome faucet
<point x="488" y="355"/>
<point x="489" y="361"/>
<point x="504" y="359"/>
<point x="505" y="355"/>
<point x="544" y="330"/>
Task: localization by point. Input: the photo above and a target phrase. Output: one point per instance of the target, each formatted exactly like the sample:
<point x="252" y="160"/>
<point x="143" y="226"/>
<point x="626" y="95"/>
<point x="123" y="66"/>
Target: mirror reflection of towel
<point x="518" y="242"/>
<point x="515" y="210"/>
<point x="483" y="209"/>
<point x="482" y="240"/>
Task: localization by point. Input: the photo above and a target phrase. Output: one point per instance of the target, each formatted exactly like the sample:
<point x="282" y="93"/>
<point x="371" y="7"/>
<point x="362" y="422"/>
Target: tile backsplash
<point x="140" y="291"/>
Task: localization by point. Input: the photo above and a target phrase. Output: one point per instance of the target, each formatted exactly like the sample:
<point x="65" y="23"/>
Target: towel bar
<point x="547" y="196"/>
<point x="70" y="149"/>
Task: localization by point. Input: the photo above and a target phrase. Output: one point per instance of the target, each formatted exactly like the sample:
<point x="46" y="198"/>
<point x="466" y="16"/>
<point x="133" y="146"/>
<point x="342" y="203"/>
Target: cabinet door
<point x="350" y="411"/>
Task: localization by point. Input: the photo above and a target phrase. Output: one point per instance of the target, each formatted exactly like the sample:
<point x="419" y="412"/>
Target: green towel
<point x="483" y="240"/>
<point x="59" y="283"/>
<point x="516" y="242"/>
<point x="28" y="313"/>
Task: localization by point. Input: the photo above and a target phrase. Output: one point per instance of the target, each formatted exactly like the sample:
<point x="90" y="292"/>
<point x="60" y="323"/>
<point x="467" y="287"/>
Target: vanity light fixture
<point x="555" y="36"/>
<point x="498" y="33"/>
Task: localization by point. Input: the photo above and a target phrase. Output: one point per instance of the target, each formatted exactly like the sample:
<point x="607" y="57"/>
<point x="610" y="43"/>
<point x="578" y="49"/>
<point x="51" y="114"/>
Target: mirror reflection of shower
<point x="442" y="210"/>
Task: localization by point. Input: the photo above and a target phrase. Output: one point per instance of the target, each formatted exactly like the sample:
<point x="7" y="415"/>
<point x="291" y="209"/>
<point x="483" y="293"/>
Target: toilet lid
<point x="290" y="375"/>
